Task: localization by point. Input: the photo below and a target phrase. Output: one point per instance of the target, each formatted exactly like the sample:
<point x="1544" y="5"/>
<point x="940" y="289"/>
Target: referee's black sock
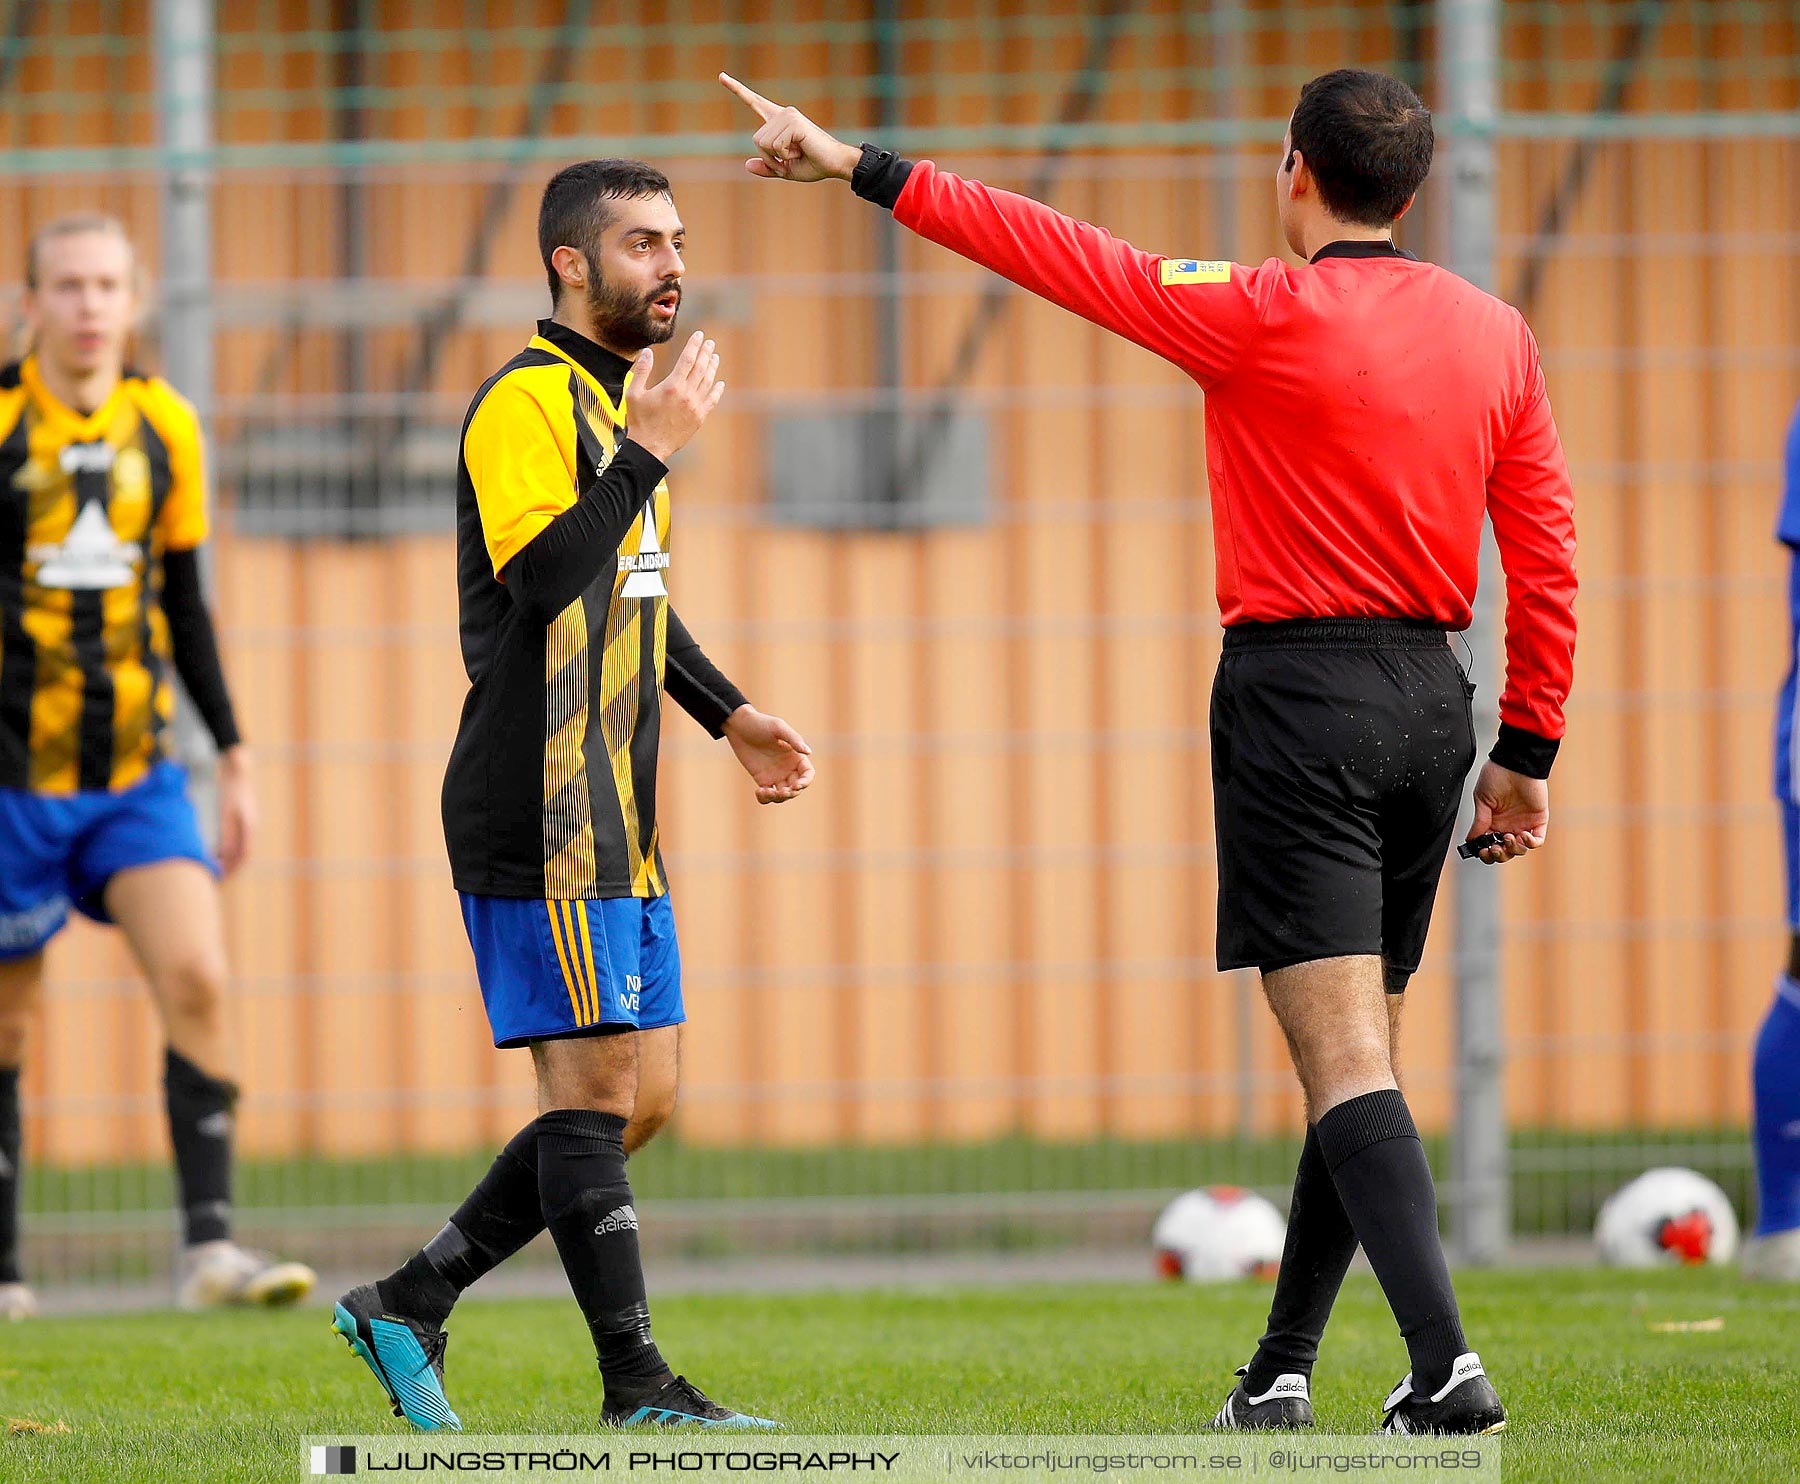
<point x="1320" y="1244"/>
<point x="502" y="1213"/>
<point x="9" y="1175"/>
<point x="200" y="1128"/>
<point x="587" y="1204"/>
<point x="1372" y="1149"/>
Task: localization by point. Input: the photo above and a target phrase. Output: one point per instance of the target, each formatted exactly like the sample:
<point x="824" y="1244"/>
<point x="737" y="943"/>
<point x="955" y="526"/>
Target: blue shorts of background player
<point x="60" y="850"/>
<point x="551" y="969"/>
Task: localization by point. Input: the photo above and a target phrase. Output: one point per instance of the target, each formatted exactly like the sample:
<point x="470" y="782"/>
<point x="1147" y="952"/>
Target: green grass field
<point x="1595" y="1392"/>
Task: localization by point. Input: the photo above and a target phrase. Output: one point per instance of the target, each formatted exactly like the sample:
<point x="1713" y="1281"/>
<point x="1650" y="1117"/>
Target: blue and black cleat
<point x="680" y="1403"/>
<point x="406" y="1355"/>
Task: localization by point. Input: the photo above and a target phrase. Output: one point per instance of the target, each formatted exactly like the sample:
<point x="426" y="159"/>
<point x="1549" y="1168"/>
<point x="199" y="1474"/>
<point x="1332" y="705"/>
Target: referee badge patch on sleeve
<point x="1195" y="270"/>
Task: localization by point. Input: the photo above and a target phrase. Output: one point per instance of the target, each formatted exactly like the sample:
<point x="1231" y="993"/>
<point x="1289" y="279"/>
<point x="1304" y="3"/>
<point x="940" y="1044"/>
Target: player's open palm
<point x="774" y="755"/>
<point x="665" y="416"/>
<point x="1512" y="805"/>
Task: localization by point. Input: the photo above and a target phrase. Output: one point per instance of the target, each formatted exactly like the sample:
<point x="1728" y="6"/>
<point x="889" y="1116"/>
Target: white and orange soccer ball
<point x="1667" y="1218"/>
<point x="1221" y="1232"/>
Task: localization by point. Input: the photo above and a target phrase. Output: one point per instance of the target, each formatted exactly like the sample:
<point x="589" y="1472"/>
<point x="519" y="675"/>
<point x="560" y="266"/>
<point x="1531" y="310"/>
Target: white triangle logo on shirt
<point x="647" y="566"/>
<point x="90" y="557"/>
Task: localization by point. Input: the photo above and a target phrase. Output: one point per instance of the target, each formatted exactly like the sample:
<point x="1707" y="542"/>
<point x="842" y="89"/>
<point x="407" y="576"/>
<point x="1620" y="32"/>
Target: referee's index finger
<point x="762" y="105"/>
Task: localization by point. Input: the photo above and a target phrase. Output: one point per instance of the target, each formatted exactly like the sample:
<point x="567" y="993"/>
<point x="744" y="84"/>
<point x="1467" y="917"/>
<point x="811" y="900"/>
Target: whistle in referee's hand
<point x="1469" y="849"/>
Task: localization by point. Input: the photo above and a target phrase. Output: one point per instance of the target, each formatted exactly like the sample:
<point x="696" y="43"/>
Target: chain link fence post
<point x="1469" y="47"/>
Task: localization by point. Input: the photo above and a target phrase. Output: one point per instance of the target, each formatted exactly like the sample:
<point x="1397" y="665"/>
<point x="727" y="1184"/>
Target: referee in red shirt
<point x="1363" y="412"/>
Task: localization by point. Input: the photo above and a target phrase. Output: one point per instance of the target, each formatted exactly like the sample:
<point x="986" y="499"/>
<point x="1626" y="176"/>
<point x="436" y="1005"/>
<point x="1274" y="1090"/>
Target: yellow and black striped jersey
<point x="89" y="505"/>
<point x="551" y="786"/>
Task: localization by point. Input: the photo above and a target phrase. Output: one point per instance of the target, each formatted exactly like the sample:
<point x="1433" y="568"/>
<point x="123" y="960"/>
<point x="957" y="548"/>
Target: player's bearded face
<point x="628" y="316"/>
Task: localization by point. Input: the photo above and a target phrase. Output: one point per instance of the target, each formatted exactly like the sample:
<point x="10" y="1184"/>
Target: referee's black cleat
<point x="406" y="1355"/>
<point x="1467" y="1403"/>
<point x="1286" y="1404"/>
<point x="679" y="1403"/>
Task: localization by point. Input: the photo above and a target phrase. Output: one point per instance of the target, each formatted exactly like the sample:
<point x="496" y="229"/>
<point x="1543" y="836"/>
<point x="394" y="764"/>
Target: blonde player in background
<point x="102" y="515"/>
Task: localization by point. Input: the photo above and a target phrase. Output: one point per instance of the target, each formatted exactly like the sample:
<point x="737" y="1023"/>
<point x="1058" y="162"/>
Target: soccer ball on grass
<point x="1221" y="1232"/>
<point x="1666" y="1218"/>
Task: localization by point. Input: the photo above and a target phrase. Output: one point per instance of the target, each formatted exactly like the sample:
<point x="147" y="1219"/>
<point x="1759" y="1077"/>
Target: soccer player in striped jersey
<point x="570" y="643"/>
<point x="102" y="516"/>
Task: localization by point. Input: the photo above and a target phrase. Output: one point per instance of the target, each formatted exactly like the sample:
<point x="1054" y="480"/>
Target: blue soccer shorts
<point x="550" y="969"/>
<point x="1787" y="757"/>
<point x="59" y="851"/>
<point x="1790" y="839"/>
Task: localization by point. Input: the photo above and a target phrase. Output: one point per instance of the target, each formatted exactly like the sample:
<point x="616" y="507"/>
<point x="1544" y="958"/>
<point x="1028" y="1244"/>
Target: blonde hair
<point x="74" y="224"/>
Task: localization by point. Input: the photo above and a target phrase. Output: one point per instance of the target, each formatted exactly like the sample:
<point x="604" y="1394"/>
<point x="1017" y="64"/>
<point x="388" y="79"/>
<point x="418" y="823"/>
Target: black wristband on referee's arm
<point x="880" y="175"/>
<point x="1520" y="751"/>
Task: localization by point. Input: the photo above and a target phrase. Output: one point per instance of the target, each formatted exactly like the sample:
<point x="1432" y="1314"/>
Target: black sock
<point x="1320" y="1244"/>
<point x="9" y="1175"/>
<point x="587" y="1205"/>
<point x="1372" y="1148"/>
<point x="502" y="1213"/>
<point x="200" y="1129"/>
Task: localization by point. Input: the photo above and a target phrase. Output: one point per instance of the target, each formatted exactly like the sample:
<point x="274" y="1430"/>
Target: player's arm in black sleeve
<point x="695" y="683"/>
<point x="557" y="565"/>
<point x="196" y="646"/>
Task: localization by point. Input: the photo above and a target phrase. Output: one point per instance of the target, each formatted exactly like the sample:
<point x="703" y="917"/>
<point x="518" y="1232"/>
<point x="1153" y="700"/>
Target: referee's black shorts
<point x="1339" y="751"/>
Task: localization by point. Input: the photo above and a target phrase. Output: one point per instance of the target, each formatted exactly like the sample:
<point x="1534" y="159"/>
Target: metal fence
<point x="964" y="992"/>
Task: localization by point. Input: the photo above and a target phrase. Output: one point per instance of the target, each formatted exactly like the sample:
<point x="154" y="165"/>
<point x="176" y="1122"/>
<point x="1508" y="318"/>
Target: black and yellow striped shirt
<point x="89" y="507"/>
<point x="551" y="787"/>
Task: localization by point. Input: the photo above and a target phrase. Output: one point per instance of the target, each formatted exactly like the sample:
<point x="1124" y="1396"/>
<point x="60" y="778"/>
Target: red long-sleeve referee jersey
<point x="1362" y="412"/>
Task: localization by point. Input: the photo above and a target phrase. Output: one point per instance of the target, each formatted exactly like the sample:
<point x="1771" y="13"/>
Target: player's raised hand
<point x="774" y="755"/>
<point x="1512" y="805"/>
<point x="790" y="146"/>
<point x="665" y="416"/>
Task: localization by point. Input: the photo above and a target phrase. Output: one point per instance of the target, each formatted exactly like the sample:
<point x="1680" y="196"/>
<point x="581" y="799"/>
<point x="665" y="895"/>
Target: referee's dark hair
<point x="1367" y="139"/>
<point x="576" y="207"/>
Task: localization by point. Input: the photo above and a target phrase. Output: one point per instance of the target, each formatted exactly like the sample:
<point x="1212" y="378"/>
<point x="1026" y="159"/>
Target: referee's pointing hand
<point x="665" y="416"/>
<point x="790" y="145"/>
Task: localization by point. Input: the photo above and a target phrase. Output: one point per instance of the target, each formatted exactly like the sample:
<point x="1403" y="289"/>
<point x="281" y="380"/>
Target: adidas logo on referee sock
<point x="622" y="1220"/>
